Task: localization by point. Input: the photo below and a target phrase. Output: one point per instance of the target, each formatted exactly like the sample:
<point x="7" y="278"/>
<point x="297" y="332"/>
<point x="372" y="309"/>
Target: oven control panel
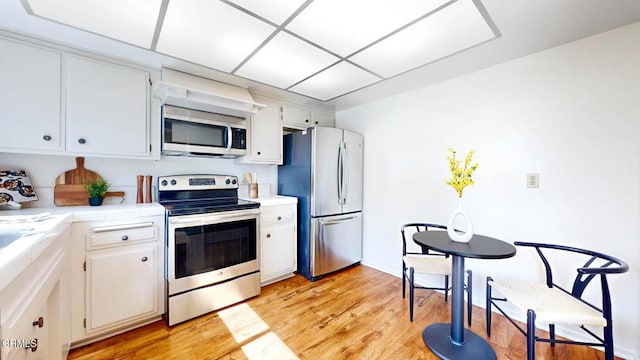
<point x="197" y="182"/>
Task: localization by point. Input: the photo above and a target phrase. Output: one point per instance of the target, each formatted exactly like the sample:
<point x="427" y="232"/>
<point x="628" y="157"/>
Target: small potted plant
<point x="96" y="190"/>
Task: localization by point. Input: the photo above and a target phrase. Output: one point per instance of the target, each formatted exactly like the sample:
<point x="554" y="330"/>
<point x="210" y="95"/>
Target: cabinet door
<point x="323" y="118"/>
<point x="265" y="139"/>
<point x="30" y="84"/>
<point x="107" y="109"/>
<point x="121" y="285"/>
<point x="297" y="117"/>
<point x="278" y="244"/>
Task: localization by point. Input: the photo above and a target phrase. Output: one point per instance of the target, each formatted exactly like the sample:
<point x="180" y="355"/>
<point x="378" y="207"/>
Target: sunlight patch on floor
<point x="268" y="347"/>
<point x="243" y="322"/>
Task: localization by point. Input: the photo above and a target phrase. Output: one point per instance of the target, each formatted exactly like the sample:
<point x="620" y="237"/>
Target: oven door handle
<point x="211" y="217"/>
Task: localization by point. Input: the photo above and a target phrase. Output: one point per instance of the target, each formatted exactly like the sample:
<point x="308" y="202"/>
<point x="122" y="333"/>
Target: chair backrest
<point x="596" y="264"/>
<point x="416" y="227"/>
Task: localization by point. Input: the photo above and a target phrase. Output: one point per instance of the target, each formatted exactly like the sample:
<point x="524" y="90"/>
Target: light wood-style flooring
<point x="358" y="313"/>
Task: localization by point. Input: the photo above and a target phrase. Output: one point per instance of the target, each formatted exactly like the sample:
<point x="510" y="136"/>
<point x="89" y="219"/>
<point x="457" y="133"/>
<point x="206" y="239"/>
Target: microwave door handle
<point x="229" y="137"/>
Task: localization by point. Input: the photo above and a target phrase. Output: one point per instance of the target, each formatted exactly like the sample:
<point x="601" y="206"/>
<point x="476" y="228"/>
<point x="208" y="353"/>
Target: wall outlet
<point x="533" y="180"/>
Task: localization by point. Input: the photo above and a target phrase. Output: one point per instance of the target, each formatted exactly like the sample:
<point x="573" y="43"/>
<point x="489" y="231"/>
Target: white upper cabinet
<point x="55" y="102"/>
<point x="106" y="108"/>
<point x="30" y="84"/>
<point x="264" y="135"/>
<point x="301" y="117"/>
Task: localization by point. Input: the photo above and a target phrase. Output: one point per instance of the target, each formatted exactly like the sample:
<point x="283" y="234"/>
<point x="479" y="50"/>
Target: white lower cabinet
<point x="278" y="241"/>
<point x="34" y="307"/>
<point x="117" y="274"/>
<point x="121" y="285"/>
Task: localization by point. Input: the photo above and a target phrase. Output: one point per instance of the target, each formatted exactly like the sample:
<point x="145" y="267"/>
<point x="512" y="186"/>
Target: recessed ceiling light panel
<point x="133" y="22"/>
<point x="284" y="61"/>
<point x="345" y="26"/>
<point x="452" y="29"/>
<point x="335" y="81"/>
<point x="210" y="33"/>
<point x="276" y="11"/>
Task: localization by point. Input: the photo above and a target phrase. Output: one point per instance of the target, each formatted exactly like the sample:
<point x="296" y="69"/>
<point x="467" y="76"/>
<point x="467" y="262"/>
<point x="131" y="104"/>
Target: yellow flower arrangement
<point x="460" y="176"/>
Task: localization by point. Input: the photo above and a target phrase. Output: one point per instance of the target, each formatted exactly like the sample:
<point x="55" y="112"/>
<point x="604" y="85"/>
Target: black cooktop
<point x="191" y="207"/>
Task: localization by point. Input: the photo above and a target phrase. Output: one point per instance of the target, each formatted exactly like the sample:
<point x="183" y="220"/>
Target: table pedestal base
<point x="438" y="338"/>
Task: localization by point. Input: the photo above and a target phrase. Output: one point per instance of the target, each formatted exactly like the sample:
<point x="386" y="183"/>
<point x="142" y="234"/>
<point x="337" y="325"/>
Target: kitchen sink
<point x="7" y="237"/>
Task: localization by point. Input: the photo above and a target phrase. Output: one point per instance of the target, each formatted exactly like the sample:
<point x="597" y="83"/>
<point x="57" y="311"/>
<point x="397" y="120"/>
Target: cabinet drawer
<point x="105" y="236"/>
<point x="277" y="214"/>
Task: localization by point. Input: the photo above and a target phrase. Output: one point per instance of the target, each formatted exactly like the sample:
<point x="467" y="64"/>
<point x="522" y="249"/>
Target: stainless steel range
<point x="212" y="244"/>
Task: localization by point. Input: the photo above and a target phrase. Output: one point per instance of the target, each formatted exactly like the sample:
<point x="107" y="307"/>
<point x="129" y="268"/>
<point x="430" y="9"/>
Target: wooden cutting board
<point x="70" y="195"/>
<point x="77" y="176"/>
<point x="69" y="186"/>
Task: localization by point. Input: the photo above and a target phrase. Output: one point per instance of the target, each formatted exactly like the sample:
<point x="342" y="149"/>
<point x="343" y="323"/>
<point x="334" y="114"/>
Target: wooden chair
<point x="552" y="304"/>
<point x="429" y="263"/>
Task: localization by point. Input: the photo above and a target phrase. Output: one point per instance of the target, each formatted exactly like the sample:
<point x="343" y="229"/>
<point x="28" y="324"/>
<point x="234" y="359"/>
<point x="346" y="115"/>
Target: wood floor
<point x="358" y="313"/>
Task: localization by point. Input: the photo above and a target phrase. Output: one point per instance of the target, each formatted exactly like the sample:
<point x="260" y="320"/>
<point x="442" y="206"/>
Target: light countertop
<point x="35" y="237"/>
<point x="36" y="234"/>
<point x="272" y="200"/>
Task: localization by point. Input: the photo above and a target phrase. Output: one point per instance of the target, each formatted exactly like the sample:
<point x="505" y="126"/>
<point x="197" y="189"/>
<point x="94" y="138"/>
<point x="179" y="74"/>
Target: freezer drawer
<point x="336" y="242"/>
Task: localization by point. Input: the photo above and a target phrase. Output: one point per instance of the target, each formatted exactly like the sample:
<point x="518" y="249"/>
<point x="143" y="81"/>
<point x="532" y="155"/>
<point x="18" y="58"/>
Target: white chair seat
<point x="426" y="264"/>
<point x="551" y="305"/>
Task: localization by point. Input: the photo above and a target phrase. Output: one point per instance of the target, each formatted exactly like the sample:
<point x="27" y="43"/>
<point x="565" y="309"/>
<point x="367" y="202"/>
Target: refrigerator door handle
<point x="336" y="221"/>
<point x="331" y="222"/>
<point x="345" y="174"/>
<point x="340" y="173"/>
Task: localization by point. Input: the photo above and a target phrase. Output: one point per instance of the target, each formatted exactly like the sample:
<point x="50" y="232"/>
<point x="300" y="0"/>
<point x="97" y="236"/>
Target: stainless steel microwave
<point x="198" y="133"/>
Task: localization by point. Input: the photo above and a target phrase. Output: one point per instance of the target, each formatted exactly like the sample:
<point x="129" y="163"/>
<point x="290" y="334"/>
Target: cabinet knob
<point x="46" y="138"/>
<point x="316" y="123"/>
<point x="39" y="323"/>
<point x="268" y="235"/>
<point x="306" y="120"/>
<point x="33" y="345"/>
<point x="279" y="217"/>
<point x="144" y="258"/>
<point x="259" y="153"/>
<point x="82" y="141"/>
<point x="125" y="237"/>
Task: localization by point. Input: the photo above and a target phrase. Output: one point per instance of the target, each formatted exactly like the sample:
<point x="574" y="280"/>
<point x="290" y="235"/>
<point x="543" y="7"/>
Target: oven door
<point x="206" y="249"/>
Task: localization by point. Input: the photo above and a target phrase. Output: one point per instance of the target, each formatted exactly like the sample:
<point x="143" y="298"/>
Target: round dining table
<point x="452" y="340"/>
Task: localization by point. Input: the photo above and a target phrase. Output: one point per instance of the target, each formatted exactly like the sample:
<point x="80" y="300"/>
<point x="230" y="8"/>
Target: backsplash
<point x="121" y="173"/>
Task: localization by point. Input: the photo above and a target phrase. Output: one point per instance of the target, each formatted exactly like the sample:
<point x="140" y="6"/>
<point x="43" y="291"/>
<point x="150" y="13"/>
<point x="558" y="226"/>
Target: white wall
<point x="571" y="114"/>
<point x="121" y="174"/>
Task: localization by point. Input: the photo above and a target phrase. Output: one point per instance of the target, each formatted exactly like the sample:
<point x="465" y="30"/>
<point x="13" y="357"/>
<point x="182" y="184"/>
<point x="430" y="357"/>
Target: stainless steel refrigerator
<point x="322" y="167"/>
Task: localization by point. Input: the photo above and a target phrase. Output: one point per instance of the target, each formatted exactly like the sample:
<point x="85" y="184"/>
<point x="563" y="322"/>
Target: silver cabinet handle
<point x="122" y="227"/>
